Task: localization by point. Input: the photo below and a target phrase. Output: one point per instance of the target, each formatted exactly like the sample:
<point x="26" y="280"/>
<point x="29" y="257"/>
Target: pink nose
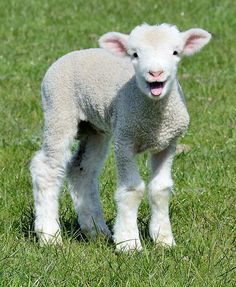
<point x="156" y="75"/>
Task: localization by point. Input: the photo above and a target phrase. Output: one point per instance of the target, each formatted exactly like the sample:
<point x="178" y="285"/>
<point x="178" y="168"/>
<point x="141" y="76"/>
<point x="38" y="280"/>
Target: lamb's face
<point x="155" y="52"/>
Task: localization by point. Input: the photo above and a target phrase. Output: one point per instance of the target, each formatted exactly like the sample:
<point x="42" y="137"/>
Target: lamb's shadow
<point x="70" y="228"/>
<point x="26" y="224"/>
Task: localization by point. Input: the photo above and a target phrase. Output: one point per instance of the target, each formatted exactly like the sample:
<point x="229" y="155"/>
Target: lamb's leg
<point x="159" y="193"/>
<point x="83" y="173"/>
<point x="47" y="170"/>
<point x="128" y="196"/>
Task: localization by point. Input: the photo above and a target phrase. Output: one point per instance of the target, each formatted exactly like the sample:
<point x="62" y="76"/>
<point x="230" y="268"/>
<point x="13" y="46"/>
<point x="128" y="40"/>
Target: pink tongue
<point x="156" y="91"/>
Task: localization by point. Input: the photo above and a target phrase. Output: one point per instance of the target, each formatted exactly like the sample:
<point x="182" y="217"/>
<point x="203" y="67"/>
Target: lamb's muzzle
<point x="156" y="75"/>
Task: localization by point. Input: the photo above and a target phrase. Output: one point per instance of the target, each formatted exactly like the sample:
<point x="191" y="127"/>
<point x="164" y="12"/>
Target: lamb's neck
<point x="175" y="92"/>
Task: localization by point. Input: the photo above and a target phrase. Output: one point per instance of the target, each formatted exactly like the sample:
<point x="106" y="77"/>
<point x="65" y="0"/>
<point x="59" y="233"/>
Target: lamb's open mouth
<point x="156" y="88"/>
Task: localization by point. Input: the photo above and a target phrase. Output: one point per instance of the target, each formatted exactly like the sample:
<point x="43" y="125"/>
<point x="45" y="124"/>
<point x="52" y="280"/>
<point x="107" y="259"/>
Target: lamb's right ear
<point x="115" y="43"/>
<point x="194" y="40"/>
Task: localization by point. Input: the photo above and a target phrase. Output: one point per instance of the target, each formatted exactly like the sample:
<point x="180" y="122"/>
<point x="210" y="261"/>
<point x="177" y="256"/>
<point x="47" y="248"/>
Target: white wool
<point x="94" y="95"/>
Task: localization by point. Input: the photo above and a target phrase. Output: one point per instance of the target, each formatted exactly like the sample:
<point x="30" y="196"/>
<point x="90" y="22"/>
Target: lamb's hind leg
<point x="47" y="170"/>
<point x="83" y="172"/>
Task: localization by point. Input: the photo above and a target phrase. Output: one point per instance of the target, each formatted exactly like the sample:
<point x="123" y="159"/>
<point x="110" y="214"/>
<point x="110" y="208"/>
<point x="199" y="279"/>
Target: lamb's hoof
<point x="165" y="241"/>
<point x="130" y="245"/>
<point x="96" y="231"/>
<point x="106" y="231"/>
<point x="49" y="239"/>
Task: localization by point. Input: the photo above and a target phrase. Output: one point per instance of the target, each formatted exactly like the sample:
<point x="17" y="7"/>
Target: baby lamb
<point x="127" y="89"/>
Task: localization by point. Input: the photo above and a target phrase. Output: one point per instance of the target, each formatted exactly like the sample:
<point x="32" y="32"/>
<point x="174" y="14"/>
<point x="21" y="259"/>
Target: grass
<point x="35" y="33"/>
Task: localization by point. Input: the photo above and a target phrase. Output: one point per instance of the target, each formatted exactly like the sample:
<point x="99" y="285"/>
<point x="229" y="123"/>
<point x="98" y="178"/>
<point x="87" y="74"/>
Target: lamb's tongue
<point x="156" y="88"/>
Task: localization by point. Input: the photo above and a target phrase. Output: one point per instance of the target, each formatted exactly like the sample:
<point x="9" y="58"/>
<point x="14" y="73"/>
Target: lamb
<point x="126" y="89"/>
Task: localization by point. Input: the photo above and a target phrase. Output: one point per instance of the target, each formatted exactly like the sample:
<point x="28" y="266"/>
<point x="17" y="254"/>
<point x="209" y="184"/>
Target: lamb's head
<point x="155" y="52"/>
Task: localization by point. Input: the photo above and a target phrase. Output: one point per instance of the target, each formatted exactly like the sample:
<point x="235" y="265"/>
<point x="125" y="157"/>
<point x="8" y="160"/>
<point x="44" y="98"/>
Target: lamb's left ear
<point x="194" y="40"/>
<point x="114" y="42"/>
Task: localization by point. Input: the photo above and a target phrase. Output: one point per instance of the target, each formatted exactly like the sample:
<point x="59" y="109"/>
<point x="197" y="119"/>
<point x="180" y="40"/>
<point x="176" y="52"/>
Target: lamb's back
<point x="91" y="78"/>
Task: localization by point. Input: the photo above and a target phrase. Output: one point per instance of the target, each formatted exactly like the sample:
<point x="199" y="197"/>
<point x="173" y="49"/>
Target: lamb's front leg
<point x="159" y="194"/>
<point x="128" y="196"/>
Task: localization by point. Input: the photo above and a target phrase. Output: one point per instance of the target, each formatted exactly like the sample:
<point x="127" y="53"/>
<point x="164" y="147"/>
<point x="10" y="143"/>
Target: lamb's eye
<point x="135" y="55"/>
<point x="175" y="53"/>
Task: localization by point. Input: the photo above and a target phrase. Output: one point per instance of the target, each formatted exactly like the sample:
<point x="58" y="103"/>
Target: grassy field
<point x="35" y="33"/>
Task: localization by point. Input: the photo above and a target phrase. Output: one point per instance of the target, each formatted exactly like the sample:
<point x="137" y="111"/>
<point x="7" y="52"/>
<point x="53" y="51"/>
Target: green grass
<point x="35" y="33"/>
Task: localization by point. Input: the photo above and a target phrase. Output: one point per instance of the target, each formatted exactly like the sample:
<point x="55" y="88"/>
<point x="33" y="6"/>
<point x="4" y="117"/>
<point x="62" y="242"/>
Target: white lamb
<point x="94" y="94"/>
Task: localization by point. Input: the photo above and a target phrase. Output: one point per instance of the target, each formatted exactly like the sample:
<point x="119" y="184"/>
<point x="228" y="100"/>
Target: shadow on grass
<point x="70" y="228"/>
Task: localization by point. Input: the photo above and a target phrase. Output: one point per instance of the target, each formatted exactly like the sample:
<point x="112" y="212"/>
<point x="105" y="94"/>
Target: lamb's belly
<point x="97" y="112"/>
<point x="98" y="116"/>
<point x="100" y="122"/>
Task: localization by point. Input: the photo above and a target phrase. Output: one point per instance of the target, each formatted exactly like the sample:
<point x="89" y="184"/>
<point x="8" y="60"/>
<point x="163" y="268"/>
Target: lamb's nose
<point x="156" y="75"/>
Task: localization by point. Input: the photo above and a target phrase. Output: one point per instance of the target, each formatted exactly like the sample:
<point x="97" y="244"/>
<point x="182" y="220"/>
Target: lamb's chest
<point x="155" y="134"/>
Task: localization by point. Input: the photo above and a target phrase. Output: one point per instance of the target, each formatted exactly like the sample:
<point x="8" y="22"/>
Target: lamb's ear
<point x="194" y="40"/>
<point x="114" y="42"/>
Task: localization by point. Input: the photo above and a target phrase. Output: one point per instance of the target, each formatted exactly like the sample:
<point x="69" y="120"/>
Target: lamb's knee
<point x="160" y="187"/>
<point x="130" y="195"/>
<point x="38" y="166"/>
<point x="45" y="170"/>
<point x="74" y="170"/>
